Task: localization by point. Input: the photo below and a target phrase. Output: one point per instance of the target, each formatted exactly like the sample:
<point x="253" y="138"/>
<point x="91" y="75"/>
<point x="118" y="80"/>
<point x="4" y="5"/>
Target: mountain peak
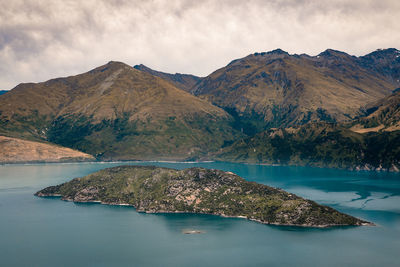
<point x="117" y="63"/>
<point x="381" y="53"/>
<point x="111" y="66"/>
<point x="330" y="53"/>
<point x="387" y="50"/>
<point x="273" y="52"/>
<point x="139" y="66"/>
<point x="278" y="51"/>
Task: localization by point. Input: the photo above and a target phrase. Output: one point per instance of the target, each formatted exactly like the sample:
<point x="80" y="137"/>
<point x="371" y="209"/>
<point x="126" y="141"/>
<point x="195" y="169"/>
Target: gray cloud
<point x="44" y="39"/>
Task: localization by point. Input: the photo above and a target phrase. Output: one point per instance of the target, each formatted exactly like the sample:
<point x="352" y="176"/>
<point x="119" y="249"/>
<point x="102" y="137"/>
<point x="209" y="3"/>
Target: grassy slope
<point x="197" y="190"/>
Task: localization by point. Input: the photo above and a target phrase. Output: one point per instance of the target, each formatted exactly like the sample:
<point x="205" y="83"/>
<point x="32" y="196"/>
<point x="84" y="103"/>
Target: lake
<point x="50" y="232"/>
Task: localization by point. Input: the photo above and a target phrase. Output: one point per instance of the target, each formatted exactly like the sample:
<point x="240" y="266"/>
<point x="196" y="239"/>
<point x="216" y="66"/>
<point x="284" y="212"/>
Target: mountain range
<point x="269" y="107"/>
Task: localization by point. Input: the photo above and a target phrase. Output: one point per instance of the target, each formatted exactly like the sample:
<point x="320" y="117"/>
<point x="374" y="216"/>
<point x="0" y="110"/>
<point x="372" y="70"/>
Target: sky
<point x="44" y="39"/>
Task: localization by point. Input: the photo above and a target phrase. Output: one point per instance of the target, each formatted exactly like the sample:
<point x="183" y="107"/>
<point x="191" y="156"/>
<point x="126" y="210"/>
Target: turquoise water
<point x="49" y="232"/>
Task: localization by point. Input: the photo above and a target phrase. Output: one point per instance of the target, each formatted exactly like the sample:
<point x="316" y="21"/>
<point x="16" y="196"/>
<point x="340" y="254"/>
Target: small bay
<point x="49" y="232"/>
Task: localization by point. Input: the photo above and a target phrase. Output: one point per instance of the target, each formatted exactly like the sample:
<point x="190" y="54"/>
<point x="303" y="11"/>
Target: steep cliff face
<point x="197" y="190"/>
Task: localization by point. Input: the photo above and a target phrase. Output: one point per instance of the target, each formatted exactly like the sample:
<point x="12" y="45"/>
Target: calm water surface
<point x="49" y="232"/>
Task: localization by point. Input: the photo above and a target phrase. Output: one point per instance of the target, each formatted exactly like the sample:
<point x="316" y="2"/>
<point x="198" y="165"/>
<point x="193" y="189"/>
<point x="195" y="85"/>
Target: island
<point x="153" y="189"/>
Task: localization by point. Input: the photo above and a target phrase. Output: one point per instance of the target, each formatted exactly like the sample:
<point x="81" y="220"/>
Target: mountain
<point x="115" y="112"/>
<point x="14" y="150"/>
<point x="182" y="81"/>
<point x="319" y="144"/>
<point x="2" y="92"/>
<point x="196" y="190"/>
<point x="276" y="89"/>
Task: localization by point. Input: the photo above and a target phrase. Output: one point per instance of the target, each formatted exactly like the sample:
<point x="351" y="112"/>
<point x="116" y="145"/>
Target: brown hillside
<point x="13" y="150"/>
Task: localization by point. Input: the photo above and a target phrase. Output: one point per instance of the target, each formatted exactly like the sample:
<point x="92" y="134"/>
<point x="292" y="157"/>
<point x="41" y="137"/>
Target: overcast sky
<point x="43" y="39"/>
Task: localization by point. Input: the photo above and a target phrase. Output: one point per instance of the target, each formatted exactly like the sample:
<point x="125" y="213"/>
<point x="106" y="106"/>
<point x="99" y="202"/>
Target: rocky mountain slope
<point x="197" y="190"/>
<point x="182" y="81"/>
<point x="14" y="150"/>
<point x="115" y="112"/>
<point x="275" y="89"/>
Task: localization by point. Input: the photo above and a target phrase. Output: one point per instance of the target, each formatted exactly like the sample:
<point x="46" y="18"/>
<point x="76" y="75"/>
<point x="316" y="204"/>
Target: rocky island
<point x="197" y="190"/>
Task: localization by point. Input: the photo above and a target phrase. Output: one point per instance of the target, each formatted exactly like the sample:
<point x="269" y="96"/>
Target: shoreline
<point x="101" y="162"/>
<point x="365" y="223"/>
<point x="356" y="169"/>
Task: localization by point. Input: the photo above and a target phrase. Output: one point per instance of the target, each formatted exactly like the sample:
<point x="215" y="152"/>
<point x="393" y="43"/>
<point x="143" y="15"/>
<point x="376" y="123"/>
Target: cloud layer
<point x="44" y="39"/>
